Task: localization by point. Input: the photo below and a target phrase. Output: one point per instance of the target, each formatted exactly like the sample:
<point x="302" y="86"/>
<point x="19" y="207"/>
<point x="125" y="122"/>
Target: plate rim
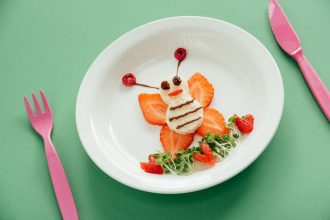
<point x="199" y="187"/>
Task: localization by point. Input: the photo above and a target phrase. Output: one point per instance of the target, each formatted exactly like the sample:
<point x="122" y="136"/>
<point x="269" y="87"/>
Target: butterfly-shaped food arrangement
<point x="180" y="107"/>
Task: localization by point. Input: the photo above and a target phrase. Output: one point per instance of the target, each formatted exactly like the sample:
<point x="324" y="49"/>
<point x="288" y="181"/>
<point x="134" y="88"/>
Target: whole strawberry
<point x="245" y="123"/>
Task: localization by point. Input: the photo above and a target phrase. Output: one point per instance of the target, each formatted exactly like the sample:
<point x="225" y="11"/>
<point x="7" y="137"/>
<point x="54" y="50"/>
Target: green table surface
<point x="51" y="44"/>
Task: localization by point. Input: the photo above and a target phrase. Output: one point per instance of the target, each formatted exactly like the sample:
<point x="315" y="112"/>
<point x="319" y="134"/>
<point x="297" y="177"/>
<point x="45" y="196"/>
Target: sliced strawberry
<point x="201" y="89"/>
<point x="206" y="149"/>
<point x="245" y="124"/>
<point x="152" y="158"/>
<point x="153" y="108"/>
<point x="206" y="157"/>
<point x="174" y="142"/>
<point x="200" y="157"/>
<point x="213" y="122"/>
<point x="151" y="168"/>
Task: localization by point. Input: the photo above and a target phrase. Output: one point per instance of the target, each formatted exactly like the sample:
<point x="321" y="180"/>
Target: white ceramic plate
<point x="111" y="125"/>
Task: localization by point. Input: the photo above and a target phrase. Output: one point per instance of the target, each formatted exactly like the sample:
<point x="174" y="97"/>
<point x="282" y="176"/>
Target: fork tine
<point x="45" y="102"/>
<point x="36" y="103"/>
<point x="28" y="108"/>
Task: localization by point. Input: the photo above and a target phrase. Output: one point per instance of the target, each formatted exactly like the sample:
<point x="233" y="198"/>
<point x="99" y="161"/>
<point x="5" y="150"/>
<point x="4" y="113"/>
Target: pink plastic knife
<point x="288" y="40"/>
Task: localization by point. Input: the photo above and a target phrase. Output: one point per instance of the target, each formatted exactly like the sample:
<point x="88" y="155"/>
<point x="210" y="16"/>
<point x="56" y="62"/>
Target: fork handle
<point x="315" y="84"/>
<point x="60" y="183"/>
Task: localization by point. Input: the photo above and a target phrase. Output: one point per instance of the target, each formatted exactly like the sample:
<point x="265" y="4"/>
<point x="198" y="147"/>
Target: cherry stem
<point x="144" y="85"/>
<point x="177" y="67"/>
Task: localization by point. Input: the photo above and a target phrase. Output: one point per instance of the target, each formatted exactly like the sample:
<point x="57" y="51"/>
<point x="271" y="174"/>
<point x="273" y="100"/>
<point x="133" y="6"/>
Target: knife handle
<point x="314" y="82"/>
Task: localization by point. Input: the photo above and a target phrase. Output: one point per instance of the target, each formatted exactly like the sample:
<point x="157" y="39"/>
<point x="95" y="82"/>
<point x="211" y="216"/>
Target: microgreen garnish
<point x="232" y="120"/>
<point x="183" y="163"/>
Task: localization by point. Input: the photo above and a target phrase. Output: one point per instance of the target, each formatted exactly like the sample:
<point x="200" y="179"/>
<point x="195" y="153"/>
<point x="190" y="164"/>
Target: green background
<point x="51" y="44"/>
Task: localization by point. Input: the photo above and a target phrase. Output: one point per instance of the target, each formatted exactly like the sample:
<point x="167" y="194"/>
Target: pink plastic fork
<point x="42" y="122"/>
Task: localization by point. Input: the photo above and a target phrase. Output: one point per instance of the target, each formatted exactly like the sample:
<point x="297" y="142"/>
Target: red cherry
<point x="129" y="79"/>
<point x="180" y="54"/>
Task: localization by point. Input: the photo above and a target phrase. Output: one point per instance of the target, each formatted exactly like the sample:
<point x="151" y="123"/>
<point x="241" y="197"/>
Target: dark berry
<point x="180" y="54"/>
<point x="129" y="79"/>
<point x="176" y="80"/>
<point x="165" y="85"/>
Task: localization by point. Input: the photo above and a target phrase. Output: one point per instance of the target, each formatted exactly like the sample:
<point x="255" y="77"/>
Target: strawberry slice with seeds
<point x="207" y="156"/>
<point x="174" y="142"/>
<point x="153" y="108"/>
<point x="245" y="124"/>
<point x="151" y="168"/>
<point x="213" y="122"/>
<point x="201" y="89"/>
<point x="152" y="158"/>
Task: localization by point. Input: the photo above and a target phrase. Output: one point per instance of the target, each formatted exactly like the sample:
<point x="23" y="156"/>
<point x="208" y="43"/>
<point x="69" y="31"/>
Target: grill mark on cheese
<point x="185" y="114"/>
<point x="181" y="105"/>
<point x="189" y="122"/>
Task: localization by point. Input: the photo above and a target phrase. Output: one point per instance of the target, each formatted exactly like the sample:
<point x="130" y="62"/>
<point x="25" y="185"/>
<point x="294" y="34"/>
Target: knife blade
<point x="282" y="29"/>
<point x="288" y="40"/>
